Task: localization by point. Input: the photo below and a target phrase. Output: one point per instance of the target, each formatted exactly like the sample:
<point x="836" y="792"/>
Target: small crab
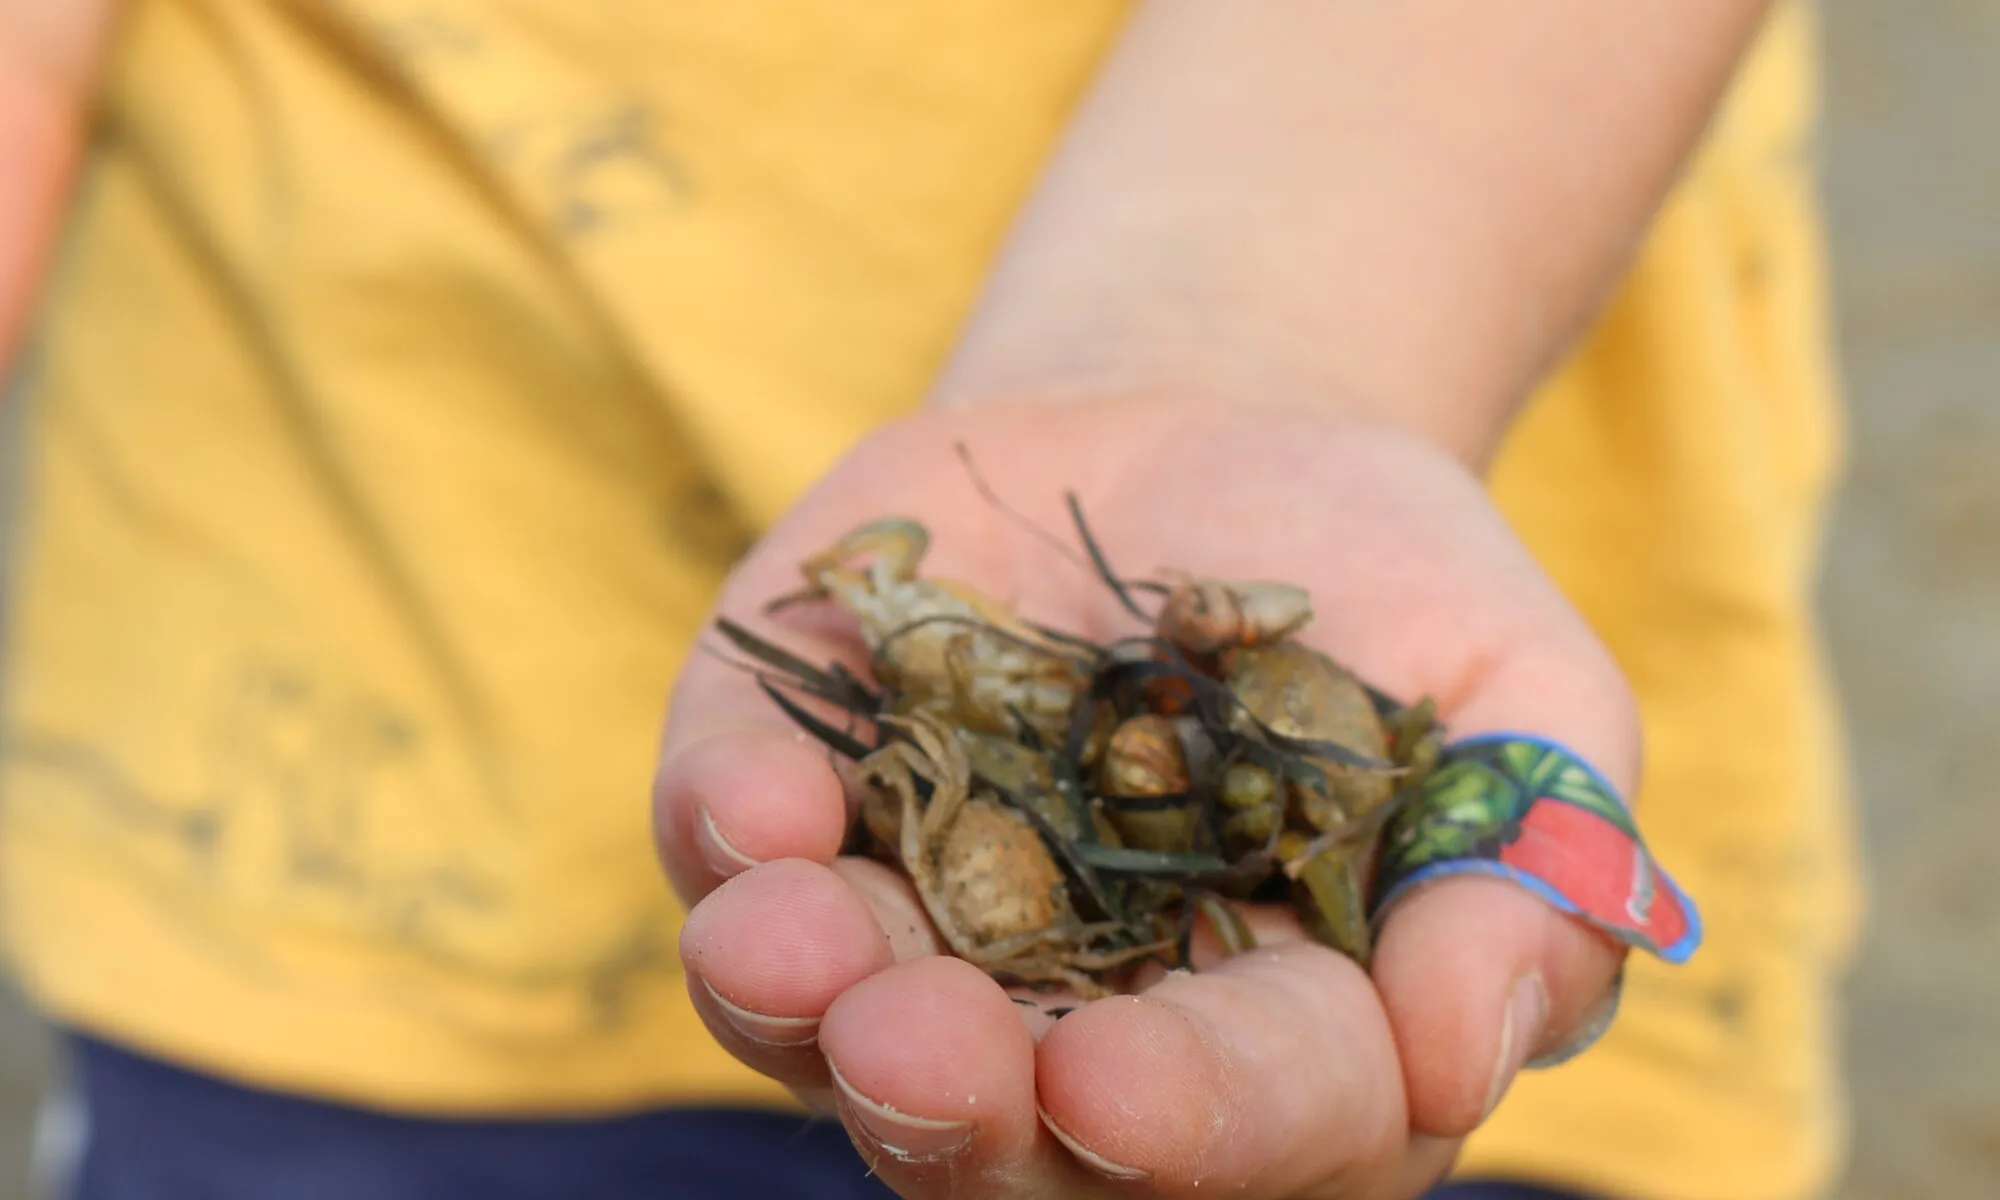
<point x="1305" y="697"/>
<point x="987" y="880"/>
<point x="941" y="646"/>
<point x="1147" y="760"/>
<point x="1203" y="617"/>
<point x="1297" y="692"/>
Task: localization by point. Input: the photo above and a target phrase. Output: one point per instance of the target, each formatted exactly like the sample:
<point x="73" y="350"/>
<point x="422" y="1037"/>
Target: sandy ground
<point x="1913" y="584"/>
<point x="1912" y="589"/>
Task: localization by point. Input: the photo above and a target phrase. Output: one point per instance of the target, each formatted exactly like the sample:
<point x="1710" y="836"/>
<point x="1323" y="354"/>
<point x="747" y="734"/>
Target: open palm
<point x="1282" y="1072"/>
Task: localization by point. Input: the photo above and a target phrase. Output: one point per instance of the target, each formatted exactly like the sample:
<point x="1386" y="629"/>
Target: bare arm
<point x="1408" y="210"/>
<point x="48" y="57"/>
<point x="1398" y="209"/>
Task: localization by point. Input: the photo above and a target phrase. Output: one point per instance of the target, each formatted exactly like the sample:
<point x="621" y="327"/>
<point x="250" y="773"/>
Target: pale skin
<point x="1375" y="227"/>
<point x="49" y="55"/>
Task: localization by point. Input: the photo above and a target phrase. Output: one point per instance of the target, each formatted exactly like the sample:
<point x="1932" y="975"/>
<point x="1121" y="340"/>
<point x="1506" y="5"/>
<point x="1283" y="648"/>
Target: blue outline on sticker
<point x="1679" y="952"/>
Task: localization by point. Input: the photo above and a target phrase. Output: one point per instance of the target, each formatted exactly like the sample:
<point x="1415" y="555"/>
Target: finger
<point x="893" y="901"/>
<point x="739" y="781"/>
<point x="1466" y="1023"/>
<point x="739" y="798"/>
<point x="1478" y="975"/>
<point x="934" y="1072"/>
<point x="768" y="951"/>
<point x="1272" y="1075"/>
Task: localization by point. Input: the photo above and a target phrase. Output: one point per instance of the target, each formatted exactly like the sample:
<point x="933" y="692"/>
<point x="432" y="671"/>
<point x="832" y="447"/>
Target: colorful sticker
<point x="1525" y="809"/>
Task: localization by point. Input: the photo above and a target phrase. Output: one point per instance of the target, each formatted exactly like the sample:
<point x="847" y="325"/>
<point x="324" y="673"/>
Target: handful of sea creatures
<point x="1066" y="808"/>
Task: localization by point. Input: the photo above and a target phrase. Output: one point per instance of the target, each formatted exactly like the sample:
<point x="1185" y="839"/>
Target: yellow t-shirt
<point x="416" y="370"/>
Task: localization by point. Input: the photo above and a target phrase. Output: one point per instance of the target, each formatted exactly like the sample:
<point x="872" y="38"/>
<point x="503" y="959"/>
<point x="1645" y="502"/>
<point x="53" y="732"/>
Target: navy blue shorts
<point x="151" y="1131"/>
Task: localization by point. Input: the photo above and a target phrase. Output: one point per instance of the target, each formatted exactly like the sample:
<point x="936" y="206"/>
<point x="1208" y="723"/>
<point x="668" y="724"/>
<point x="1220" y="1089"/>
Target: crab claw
<point x="897" y="545"/>
<point x="1205" y="616"/>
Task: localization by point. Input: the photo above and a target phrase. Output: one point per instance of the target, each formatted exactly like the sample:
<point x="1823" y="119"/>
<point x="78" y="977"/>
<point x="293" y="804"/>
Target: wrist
<point x="1466" y="424"/>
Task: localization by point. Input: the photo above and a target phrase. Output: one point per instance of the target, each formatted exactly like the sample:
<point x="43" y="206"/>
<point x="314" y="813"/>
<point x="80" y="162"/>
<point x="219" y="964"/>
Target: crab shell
<point x="1296" y="691"/>
<point x="997" y="876"/>
<point x="992" y="870"/>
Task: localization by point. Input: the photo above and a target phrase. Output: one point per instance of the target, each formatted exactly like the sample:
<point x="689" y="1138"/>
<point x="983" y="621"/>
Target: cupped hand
<point x="1286" y="1071"/>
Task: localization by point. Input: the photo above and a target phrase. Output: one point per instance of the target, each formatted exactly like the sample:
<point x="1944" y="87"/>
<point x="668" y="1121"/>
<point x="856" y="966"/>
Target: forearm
<point x="1403" y="211"/>
<point x="48" y="58"/>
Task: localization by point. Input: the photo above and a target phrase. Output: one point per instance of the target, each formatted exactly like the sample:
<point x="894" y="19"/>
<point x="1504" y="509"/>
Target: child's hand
<point x="1284" y="1072"/>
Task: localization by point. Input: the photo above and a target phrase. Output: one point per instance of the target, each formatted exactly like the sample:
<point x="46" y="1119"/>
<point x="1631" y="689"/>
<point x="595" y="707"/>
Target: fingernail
<point x="1088" y="1157"/>
<point x="1593" y="1026"/>
<point x="1527" y="1010"/>
<point x="767" y="1030"/>
<point x="715" y="850"/>
<point x="901" y="1136"/>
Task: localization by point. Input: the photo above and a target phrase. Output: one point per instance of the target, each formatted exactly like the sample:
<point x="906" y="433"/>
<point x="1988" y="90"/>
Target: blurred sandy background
<point x="1912" y="593"/>
<point x="1913" y="586"/>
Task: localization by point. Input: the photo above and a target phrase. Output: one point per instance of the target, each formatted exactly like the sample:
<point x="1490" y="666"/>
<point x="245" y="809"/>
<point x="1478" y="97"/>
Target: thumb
<point x="1512" y="889"/>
